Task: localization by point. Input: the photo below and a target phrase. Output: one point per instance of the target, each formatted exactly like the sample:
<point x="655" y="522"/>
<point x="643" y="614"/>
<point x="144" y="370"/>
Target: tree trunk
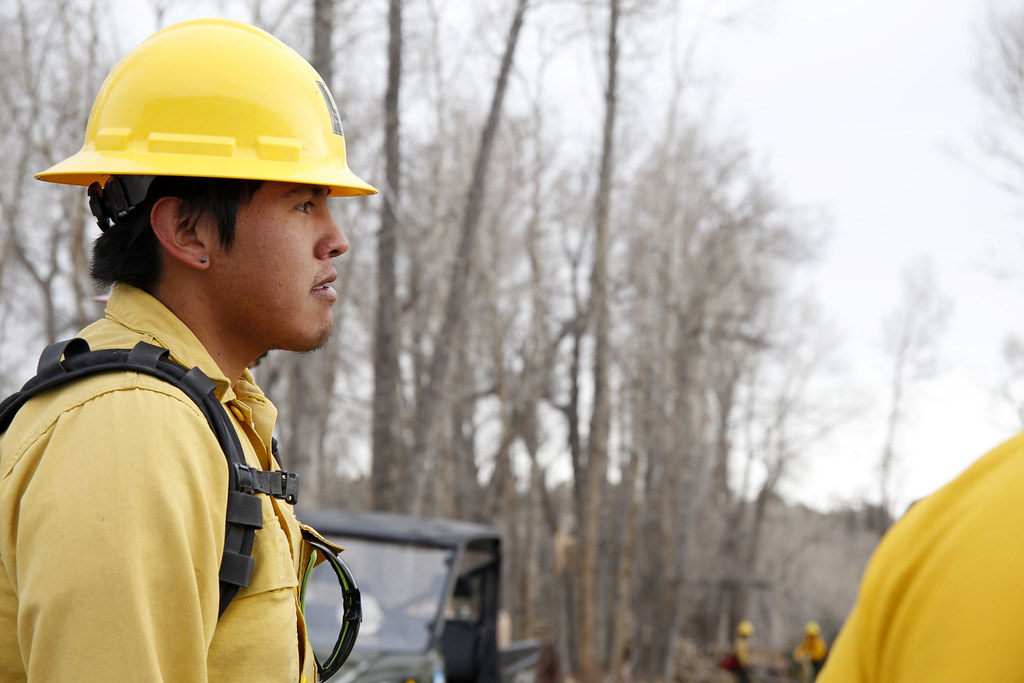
<point x="428" y="403"/>
<point x="389" y="458"/>
<point x="323" y="34"/>
<point x="597" y="444"/>
<point x="623" y="620"/>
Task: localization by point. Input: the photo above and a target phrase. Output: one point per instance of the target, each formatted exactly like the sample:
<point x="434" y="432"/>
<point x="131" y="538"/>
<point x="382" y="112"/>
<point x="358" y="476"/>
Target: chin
<point x="311" y="343"/>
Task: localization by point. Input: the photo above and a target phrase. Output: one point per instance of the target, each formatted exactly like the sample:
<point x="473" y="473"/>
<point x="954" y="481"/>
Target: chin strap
<point x="115" y="200"/>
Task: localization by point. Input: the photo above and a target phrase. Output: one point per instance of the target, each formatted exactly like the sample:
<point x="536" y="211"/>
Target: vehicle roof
<point x="389" y="526"/>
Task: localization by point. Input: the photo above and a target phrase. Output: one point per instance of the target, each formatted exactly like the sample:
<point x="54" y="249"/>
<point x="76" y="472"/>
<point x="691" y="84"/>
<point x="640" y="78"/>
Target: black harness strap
<point x="69" y="360"/>
<point x="279" y="484"/>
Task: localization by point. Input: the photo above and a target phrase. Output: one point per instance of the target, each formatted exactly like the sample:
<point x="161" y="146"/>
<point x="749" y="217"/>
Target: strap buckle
<point x="279" y="483"/>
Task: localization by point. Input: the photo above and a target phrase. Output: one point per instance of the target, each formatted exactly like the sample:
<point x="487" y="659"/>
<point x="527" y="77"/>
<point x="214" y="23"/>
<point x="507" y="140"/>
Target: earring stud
<point x="202" y="259"/>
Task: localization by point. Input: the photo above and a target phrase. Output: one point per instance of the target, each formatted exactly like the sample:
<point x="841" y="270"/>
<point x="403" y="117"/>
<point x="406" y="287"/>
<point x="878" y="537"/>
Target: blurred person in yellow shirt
<point x="811" y="651"/>
<point x="941" y="597"/>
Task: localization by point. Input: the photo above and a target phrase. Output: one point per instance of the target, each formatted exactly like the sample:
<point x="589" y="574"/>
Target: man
<point x="741" y="651"/>
<point x="210" y="151"/>
<point x="941" y="598"/>
<point x="811" y="652"/>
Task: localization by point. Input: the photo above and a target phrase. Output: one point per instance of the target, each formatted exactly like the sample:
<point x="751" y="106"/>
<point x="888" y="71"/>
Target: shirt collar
<point x="133" y="315"/>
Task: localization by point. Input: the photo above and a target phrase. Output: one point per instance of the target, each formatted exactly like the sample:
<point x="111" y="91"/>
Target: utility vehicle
<point x="429" y="591"/>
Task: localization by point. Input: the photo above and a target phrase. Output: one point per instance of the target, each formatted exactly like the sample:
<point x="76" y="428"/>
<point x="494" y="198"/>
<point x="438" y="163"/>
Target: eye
<point x="306" y="207"/>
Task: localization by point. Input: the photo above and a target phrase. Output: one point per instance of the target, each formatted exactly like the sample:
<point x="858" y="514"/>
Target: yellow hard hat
<point x="812" y="628"/>
<point x="745" y="628"/>
<point x="213" y="98"/>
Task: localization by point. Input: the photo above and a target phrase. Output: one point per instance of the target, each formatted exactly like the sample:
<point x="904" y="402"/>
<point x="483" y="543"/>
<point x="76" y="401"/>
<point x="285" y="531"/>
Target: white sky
<point x="862" y="108"/>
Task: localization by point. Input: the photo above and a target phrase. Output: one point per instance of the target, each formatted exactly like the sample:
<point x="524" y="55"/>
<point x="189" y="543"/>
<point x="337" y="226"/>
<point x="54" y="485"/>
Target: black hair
<point x="128" y="250"/>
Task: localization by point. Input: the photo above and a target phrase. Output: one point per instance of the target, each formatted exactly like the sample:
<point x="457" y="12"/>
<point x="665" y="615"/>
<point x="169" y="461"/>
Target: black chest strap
<point x="69" y="360"/>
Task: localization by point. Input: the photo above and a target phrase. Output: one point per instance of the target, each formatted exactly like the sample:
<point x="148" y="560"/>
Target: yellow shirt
<point x="942" y="598"/>
<point x="812" y="647"/>
<point x="112" y="510"/>
<point x="741" y="648"/>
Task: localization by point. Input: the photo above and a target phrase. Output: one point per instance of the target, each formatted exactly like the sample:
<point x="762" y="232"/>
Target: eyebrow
<point x="317" y="190"/>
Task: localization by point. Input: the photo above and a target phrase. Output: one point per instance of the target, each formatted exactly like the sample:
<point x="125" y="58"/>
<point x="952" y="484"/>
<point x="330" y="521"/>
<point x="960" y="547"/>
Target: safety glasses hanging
<point x="351" y="604"/>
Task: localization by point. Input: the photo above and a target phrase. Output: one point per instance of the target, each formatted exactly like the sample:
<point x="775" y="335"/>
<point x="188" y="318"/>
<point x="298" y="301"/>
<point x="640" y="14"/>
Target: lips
<point x="326" y="279"/>
<point x="322" y="289"/>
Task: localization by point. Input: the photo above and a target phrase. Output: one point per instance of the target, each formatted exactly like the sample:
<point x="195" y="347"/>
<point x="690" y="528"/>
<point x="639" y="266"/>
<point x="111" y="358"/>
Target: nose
<point x="334" y="242"/>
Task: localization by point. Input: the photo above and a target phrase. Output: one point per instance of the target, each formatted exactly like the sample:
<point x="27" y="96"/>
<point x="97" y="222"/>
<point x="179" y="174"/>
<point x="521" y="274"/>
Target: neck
<point x="191" y="307"/>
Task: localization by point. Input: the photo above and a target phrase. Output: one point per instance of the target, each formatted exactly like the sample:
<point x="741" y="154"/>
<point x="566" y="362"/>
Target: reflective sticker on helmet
<point x="331" y="107"/>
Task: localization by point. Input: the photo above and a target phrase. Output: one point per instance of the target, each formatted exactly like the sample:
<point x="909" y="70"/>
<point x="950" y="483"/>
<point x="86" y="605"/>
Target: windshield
<point x="402" y="588"/>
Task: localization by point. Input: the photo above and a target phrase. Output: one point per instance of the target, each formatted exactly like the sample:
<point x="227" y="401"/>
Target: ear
<point x="185" y="241"/>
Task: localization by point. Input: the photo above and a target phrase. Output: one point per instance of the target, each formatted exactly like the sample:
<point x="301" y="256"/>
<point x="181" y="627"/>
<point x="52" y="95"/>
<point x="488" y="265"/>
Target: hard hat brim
<point x="80" y="169"/>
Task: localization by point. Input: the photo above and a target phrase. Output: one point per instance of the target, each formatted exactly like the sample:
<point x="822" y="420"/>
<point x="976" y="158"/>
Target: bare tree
<point x="53" y="64"/>
<point x="594" y="470"/>
<point x="793" y="403"/>
<point x="390" y="464"/>
<point x="1010" y="386"/>
<point x="999" y="77"/>
<point x="429" y="401"/>
<point x="912" y="335"/>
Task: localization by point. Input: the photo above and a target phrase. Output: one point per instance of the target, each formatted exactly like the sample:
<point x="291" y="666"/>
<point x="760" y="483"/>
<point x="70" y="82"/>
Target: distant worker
<point x="941" y="598"/>
<point x="811" y="652"/>
<point x="741" y="651"/>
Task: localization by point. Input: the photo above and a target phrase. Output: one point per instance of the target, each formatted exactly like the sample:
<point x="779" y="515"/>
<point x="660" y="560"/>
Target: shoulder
<point x="102" y="412"/>
<point x="107" y="392"/>
<point x="973" y="512"/>
<point x="938" y="573"/>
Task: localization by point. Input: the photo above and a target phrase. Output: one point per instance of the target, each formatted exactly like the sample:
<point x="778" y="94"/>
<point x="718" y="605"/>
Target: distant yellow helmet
<point x="812" y="628"/>
<point x="745" y="628"/>
<point x="213" y="98"/>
